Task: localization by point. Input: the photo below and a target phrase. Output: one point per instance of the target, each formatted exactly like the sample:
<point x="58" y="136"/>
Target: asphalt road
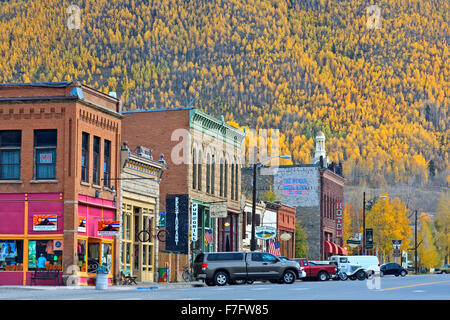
<point x="411" y="287"/>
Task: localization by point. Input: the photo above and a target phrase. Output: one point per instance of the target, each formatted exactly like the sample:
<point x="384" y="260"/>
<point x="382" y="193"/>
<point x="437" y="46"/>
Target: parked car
<point x="443" y="270"/>
<point x="302" y="272"/>
<point x="220" y="268"/>
<point x="391" y="268"/>
<point x="321" y="272"/>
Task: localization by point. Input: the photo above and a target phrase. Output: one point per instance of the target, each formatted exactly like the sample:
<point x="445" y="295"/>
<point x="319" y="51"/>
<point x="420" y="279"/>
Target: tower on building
<point x="320" y="150"/>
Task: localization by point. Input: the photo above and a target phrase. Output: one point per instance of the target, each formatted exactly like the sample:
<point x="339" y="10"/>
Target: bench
<point x="40" y="273"/>
<point x="127" y="278"/>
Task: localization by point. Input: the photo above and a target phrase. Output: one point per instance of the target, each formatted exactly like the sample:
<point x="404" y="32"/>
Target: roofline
<point x="157" y="110"/>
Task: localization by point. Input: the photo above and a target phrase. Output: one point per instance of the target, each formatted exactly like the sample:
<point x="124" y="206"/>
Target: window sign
<point x="108" y="228"/>
<point x="45" y="222"/>
<point x="81" y="224"/>
<point x="32" y="254"/>
<point x="45" y="158"/>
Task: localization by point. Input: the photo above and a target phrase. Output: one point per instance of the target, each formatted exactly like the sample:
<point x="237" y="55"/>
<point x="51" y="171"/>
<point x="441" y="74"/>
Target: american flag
<point x="274" y="248"/>
<point x="209" y="236"/>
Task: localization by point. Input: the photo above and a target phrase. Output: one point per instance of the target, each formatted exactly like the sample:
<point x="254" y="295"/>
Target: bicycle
<point x="147" y="234"/>
<point x="186" y="275"/>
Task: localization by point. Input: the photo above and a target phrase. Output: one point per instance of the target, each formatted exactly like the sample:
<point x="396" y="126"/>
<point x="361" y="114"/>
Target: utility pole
<point x="253" y="240"/>
<point x="415" y="243"/>
<point x="364" y="223"/>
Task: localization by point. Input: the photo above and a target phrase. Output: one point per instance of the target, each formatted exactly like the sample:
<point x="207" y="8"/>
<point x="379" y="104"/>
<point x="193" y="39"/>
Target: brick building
<point x="140" y="180"/>
<point x="59" y="150"/>
<point x="317" y="193"/>
<point x="285" y="227"/>
<point x="202" y="154"/>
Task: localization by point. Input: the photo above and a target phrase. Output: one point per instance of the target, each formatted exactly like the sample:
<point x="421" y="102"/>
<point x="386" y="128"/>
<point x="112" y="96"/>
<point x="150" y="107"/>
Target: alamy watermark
<point x="74" y="20"/>
<point x="374" y="17"/>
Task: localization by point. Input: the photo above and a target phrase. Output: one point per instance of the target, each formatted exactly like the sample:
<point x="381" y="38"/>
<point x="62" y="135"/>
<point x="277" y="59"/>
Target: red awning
<point x="333" y="248"/>
<point x="330" y="247"/>
<point x="342" y="251"/>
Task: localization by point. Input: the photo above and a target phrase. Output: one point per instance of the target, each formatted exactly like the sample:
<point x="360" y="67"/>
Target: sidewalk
<point x="139" y="286"/>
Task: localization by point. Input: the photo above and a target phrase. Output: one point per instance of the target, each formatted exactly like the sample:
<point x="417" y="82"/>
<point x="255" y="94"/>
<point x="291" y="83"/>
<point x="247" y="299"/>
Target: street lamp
<point x="255" y="165"/>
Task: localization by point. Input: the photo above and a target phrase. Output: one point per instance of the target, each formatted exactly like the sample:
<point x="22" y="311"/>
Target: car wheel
<point x="323" y="276"/>
<point x="381" y="274"/>
<point x="444" y="272"/>
<point x="403" y="273"/>
<point x="370" y="275"/>
<point x="361" y="275"/>
<point x="343" y="276"/>
<point x="250" y="281"/>
<point x="209" y="283"/>
<point x="289" y="277"/>
<point x="221" y="278"/>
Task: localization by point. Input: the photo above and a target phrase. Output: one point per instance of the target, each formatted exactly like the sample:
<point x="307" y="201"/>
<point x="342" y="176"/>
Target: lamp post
<point x="255" y="165"/>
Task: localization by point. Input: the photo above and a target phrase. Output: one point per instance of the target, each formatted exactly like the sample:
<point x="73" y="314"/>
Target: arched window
<point x="208" y="174"/>
<point x="213" y="173"/>
<point x="232" y="181"/>
<point x="225" y="180"/>
<point x="236" y="181"/>
<point x="199" y="171"/>
<point x="221" y="178"/>
<point x="194" y="169"/>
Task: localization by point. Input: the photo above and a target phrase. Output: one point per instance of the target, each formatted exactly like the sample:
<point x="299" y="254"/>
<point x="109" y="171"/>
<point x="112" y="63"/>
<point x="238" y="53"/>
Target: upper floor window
<point x="199" y="171"/>
<point x="107" y="164"/>
<point x="85" y="157"/>
<point x="194" y="169"/>
<point x="96" y="162"/>
<point x="45" y="153"/>
<point x="10" y="143"/>
<point x="213" y="174"/>
<point x="208" y="172"/>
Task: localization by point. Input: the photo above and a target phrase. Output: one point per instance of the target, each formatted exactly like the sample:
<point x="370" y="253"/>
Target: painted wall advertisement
<point x="108" y="228"/>
<point x="45" y="222"/>
<point x="177" y="222"/>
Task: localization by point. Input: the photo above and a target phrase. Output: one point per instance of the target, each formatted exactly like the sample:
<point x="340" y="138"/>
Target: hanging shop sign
<point x="339" y="220"/>
<point x="81" y="224"/>
<point x="265" y="232"/>
<point x="177" y="222"/>
<point x="45" y="222"/>
<point x="218" y="210"/>
<point x="108" y="228"/>
<point x="194" y="221"/>
<point x="162" y="219"/>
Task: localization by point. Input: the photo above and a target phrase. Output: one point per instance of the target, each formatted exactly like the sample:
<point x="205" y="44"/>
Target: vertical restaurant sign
<point x="45" y="222"/>
<point x="108" y="228"/>
<point x="177" y="222"/>
<point x="339" y="219"/>
<point x="81" y="224"/>
<point x="194" y="221"/>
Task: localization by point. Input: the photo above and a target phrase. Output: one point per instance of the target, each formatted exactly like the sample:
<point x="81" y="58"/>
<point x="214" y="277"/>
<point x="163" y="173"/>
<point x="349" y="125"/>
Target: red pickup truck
<point x="318" y="271"/>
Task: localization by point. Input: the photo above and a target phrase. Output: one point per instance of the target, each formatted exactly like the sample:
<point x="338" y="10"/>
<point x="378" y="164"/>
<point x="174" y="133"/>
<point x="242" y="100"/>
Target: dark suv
<point x="220" y="268"/>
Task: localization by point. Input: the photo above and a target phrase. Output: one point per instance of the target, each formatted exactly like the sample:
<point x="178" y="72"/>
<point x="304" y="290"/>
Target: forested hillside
<point x="380" y="95"/>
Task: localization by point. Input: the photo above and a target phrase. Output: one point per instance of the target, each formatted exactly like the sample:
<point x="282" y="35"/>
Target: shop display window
<point x="107" y="256"/>
<point x="11" y="255"/>
<point x="82" y="257"/>
<point x="43" y="254"/>
<point x="93" y="256"/>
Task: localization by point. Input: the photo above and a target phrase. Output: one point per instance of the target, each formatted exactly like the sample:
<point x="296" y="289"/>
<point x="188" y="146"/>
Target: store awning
<point x="330" y="247"/>
<point x="333" y="248"/>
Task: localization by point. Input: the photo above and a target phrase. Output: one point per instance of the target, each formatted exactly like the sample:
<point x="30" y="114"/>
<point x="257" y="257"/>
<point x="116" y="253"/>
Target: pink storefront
<point x="32" y="236"/>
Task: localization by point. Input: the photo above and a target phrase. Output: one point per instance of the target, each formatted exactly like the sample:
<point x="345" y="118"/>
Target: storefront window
<point x="11" y="255"/>
<point x="107" y="256"/>
<point x="93" y="257"/>
<point x="136" y="257"/>
<point x="81" y="251"/>
<point x="44" y="254"/>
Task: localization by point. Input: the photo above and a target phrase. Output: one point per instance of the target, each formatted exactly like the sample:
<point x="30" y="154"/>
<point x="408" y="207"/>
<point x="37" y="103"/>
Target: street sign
<point x="396" y="244"/>
<point x="397" y="253"/>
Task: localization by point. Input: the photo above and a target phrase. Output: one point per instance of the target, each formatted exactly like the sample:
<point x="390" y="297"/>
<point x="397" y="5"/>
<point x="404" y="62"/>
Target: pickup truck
<point x="322" y="272"/>
<point x="220" y="268"/>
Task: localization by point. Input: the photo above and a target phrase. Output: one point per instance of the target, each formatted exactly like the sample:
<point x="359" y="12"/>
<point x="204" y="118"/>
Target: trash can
<point x="101" y="282"/>
<point x="162" y="272"/>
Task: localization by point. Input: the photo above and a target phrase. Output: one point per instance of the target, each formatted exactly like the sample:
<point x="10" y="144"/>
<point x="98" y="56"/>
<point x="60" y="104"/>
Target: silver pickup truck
<point x="220" y="268"/>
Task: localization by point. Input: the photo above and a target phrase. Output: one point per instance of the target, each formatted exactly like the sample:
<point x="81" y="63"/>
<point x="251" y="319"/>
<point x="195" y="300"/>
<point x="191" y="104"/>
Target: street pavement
<point x="411" y="287"/>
